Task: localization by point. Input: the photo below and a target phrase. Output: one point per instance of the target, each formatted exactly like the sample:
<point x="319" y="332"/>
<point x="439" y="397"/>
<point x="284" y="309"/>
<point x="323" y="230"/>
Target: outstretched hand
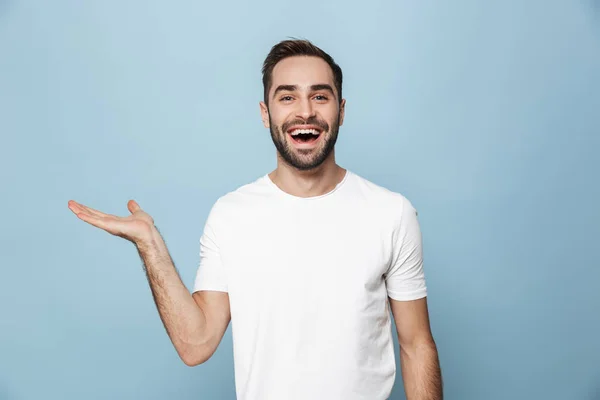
<point x="135" y="227"/>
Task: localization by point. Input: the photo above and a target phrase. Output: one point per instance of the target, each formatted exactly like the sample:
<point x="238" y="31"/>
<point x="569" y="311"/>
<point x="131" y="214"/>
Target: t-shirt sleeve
<point x="211" y="274"/>
<point x="405" y="278"/>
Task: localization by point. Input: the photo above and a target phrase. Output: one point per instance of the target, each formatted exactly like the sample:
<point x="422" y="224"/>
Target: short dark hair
<point x="297" y="47"/>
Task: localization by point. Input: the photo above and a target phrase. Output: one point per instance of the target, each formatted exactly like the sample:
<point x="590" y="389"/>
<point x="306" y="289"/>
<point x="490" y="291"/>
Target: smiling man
<point x="306" y="262"/>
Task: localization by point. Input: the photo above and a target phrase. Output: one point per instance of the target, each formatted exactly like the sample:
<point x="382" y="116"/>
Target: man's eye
<point x="286" y="98"/>
<point x="320" y="97"/>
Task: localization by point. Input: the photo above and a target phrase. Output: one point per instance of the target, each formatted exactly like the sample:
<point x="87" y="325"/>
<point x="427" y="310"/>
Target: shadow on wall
<point x="6" y="394"/>
<point x="595" y="6"/>
<point x="592" y="11"/>
<point x="4" y="8"/>
<point x="4" y="5"/>
<point x="595" y="392"/>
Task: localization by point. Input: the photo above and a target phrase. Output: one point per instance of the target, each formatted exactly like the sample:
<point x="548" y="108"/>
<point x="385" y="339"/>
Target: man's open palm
<point x="134" y="227"/>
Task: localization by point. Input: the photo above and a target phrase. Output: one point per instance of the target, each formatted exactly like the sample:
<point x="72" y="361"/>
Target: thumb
<point x="132" y="206"/>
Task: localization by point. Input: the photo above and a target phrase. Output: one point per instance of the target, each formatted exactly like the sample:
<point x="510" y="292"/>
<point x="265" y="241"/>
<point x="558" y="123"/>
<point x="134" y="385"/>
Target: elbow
<point x="194" y="356"/>
<point x="192" y="362"/>
<point x="196" y="349"/>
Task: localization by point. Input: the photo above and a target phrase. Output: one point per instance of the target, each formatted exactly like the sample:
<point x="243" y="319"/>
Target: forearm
<point x="421" y="372"/>
<point x="183" y="319"/>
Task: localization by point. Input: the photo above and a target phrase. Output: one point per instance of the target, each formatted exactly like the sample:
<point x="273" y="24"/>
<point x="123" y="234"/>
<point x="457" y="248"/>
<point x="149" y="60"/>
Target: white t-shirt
<point x="308" y="282"/>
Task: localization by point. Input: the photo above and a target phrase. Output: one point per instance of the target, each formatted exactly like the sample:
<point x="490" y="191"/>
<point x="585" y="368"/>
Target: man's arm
<point x="419" y="360"/>
<point x="195" y="323"/>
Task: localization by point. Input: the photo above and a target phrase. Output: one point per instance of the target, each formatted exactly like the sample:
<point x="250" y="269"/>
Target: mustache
<point x="324" y="126"/>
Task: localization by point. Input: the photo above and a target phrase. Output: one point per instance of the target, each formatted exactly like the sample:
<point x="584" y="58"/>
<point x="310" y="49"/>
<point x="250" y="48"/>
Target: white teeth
<point x="305" y="131"/>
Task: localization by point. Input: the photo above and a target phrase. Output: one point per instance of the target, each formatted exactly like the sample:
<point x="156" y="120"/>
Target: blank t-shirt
<point x="308" y="282"/>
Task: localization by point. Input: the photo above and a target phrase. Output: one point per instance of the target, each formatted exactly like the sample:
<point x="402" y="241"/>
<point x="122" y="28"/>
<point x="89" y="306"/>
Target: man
<point x="306" y="261"/>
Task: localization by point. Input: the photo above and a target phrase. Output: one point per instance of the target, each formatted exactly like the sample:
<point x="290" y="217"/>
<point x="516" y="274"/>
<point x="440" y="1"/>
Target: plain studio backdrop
<point x="485" y="115"/>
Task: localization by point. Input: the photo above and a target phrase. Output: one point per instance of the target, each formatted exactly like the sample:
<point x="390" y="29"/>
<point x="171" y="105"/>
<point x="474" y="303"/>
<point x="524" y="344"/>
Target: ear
<point x="264" y="113"/>
<point x="342" y="111"/>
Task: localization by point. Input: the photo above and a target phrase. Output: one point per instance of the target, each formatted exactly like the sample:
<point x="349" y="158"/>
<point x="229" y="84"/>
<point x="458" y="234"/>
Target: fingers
<point x="109" y="223"/>
<point x="94" y="220"/>
<point x="86" y="214"/>
<point x="77" y="207"/>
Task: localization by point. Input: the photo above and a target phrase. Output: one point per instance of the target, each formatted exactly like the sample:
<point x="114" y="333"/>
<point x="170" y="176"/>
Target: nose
<point x="305" y="109"/>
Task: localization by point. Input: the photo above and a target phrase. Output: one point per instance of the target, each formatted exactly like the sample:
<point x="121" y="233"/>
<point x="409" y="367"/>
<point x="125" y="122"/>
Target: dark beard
<point x="288" y="154"/>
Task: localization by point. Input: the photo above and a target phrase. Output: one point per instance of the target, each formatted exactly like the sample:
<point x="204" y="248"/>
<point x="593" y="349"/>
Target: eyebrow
<point x="322" y="86"/>
<point x="314" y="88"/>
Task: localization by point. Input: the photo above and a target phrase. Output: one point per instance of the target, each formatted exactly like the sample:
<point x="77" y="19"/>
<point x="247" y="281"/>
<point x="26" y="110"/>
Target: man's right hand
<point x="195" y="324"/>
<point x="136" y="227"/>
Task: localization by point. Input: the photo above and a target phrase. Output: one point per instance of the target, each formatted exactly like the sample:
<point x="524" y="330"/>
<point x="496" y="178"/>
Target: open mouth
<point x="302" y="135"/>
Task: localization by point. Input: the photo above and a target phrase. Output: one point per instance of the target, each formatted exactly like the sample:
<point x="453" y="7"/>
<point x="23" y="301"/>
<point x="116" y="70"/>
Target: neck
<point x="314" y="182"/>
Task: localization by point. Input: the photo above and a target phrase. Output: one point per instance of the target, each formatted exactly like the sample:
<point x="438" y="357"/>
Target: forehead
<point x="301" y="71"/>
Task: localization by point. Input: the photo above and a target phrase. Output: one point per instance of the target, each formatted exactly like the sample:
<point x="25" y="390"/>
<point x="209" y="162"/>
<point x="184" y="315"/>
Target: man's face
<point x="304" y="112"/>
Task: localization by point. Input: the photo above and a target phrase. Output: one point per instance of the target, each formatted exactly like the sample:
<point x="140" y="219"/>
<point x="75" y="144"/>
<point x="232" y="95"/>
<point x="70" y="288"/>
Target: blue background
<point x="484" y="114"/>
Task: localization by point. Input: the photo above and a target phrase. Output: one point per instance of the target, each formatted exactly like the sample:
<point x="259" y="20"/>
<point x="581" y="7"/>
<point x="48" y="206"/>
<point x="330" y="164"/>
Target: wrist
<point x="148" y="239"/>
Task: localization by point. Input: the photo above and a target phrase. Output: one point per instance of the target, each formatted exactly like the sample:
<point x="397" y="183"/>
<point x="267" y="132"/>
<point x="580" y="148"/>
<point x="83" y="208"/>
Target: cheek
<point x="275" y="118"/>
<point x="330" y="113"/>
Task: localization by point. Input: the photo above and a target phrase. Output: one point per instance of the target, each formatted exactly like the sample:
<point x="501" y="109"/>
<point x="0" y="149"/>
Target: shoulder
<point x="242" y="198"/>
<point x="392" y="208"/>
<point x="391" y="202"/>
